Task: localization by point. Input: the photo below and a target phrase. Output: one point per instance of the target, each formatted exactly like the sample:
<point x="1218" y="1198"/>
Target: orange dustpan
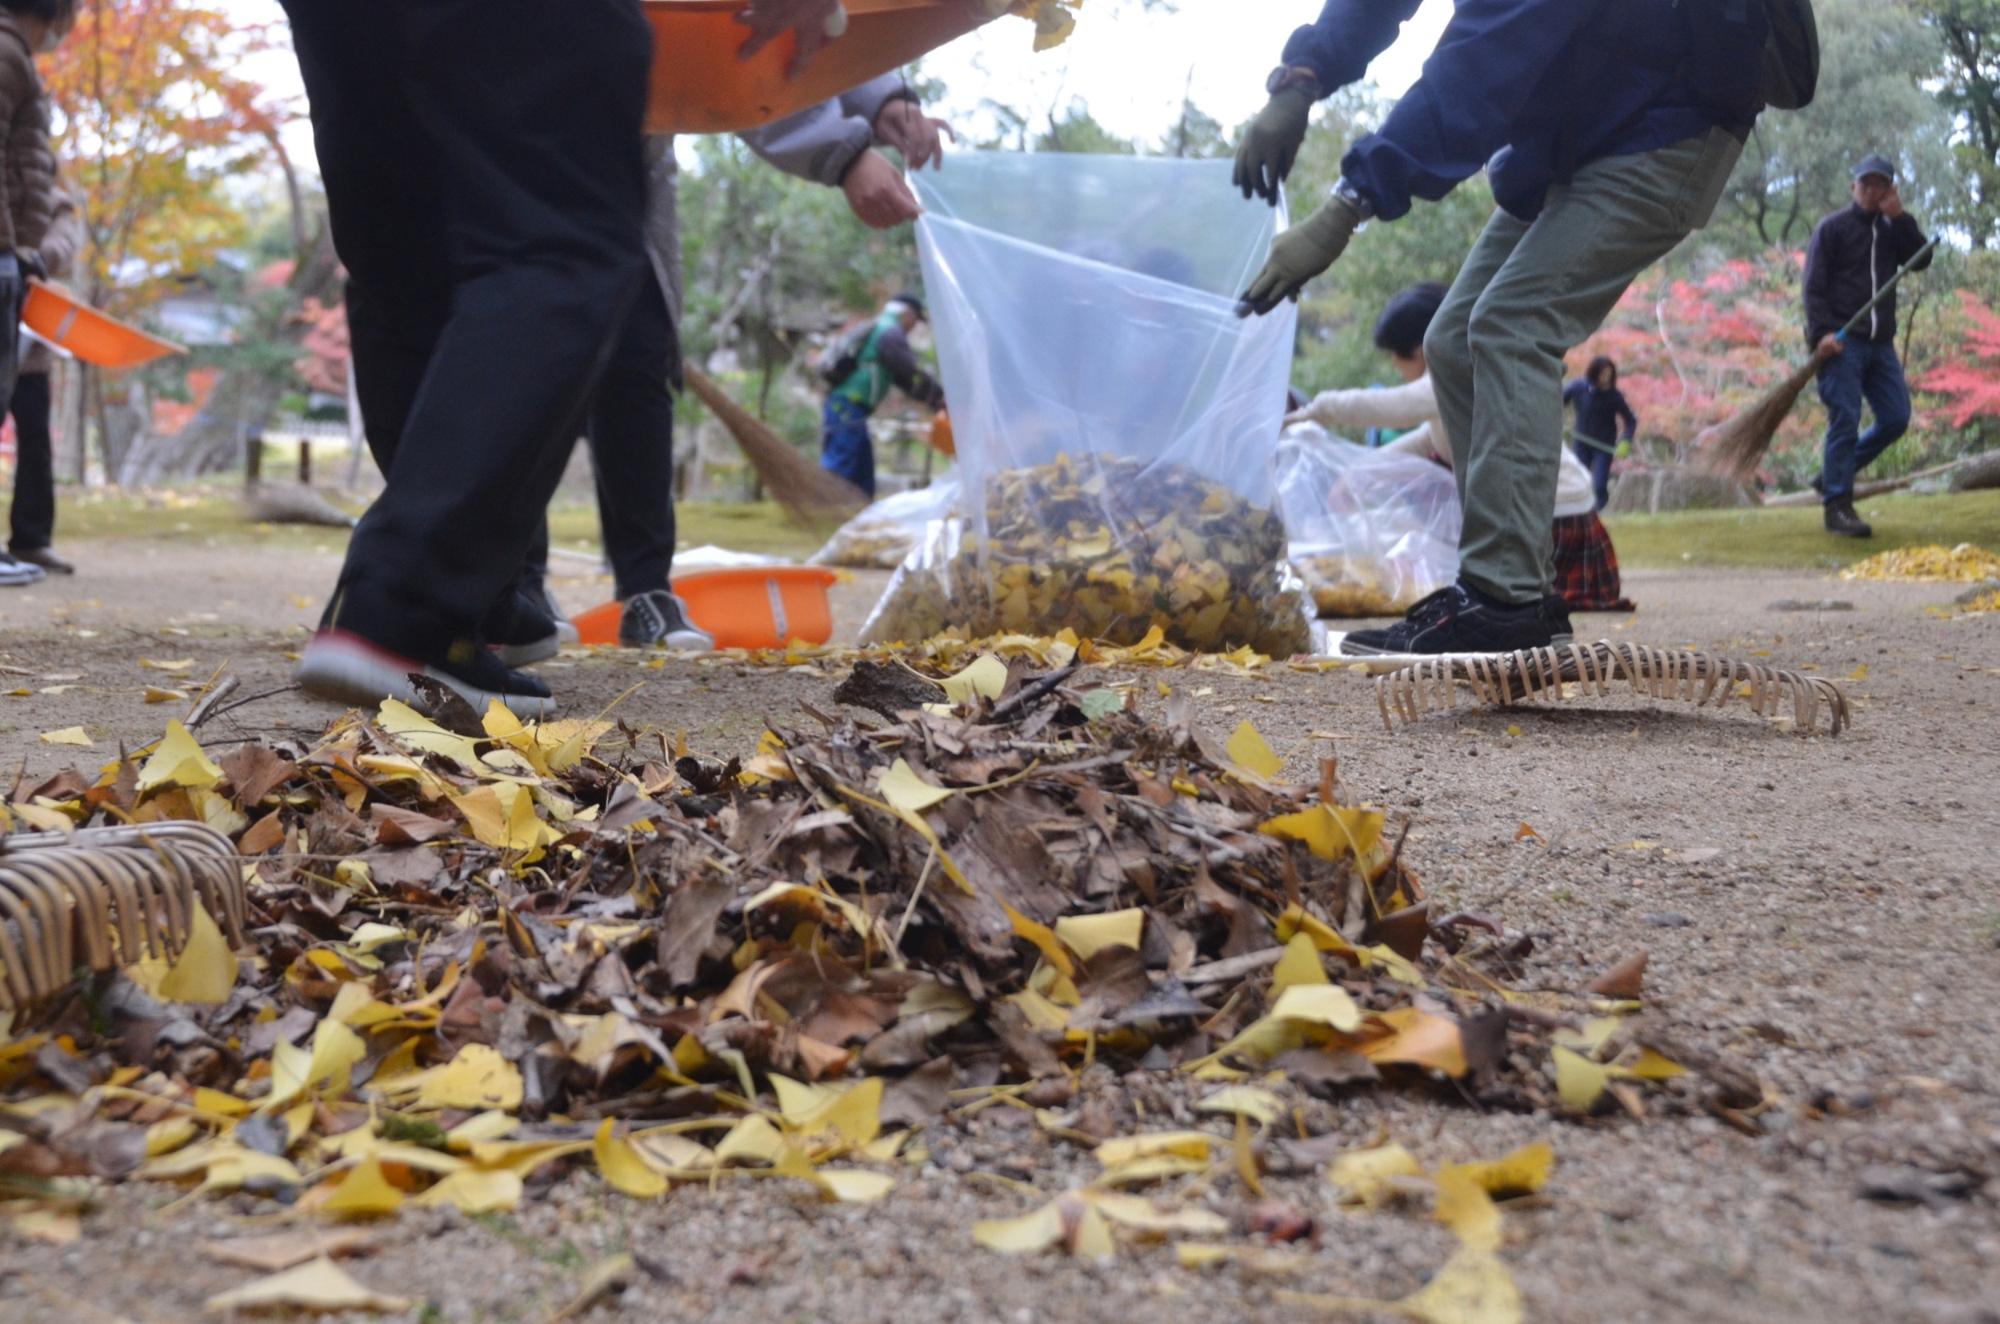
<point x="746" y="607"/>
<point x="700" y="86"/>
<point x="55" y="315"/>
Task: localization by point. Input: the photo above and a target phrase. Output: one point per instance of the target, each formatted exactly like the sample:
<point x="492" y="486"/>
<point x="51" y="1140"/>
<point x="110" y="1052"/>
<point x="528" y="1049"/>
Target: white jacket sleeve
<point x="1402" y="406"/>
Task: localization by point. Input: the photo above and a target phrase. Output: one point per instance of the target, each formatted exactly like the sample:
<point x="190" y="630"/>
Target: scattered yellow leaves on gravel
<point x="318" y="1285"/>
<point x="1963" y="564"/>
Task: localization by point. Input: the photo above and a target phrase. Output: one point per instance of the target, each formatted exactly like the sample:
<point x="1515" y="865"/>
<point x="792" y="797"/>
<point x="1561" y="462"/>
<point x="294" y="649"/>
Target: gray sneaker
<point x="659" y="619"/>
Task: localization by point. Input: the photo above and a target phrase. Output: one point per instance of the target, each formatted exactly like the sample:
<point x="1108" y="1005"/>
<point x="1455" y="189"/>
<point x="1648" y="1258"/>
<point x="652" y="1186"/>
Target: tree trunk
<point x="244" y="397"/>
<point x="1977" y="473"/>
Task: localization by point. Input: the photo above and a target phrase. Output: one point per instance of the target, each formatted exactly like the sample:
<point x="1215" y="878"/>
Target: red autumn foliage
<point x="1971" y="381"/>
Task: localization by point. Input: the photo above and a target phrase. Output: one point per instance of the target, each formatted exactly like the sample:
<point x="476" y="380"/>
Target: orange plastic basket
<point x="942" y="439"/>
<point x="751" y="607"/>
<point x="700" y="86"/>
<point x="52" y="313"/>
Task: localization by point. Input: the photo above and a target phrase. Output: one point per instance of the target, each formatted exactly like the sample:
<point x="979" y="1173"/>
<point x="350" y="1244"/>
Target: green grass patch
<point x="210" y="512"/>
<point x="1792" y="538"/>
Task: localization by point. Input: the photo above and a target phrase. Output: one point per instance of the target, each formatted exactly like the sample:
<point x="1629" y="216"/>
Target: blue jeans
<point x="1862" y="371"/>
<point x="1599" y="464"/>
<point x="845" y="447"/>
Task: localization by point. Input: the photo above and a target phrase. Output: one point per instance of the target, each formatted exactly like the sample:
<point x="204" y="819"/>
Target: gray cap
<point x="1875" y="164"/>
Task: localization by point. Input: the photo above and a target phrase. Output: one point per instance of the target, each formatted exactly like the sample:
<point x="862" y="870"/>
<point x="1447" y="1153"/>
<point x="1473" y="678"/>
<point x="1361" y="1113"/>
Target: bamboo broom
<point x="1736" y="446"/>
<point x="810" y="495"/>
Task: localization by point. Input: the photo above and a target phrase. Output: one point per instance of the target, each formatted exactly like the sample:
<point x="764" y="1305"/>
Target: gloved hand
<point x="1271" y="144"/>
<point x="1301" y="253"/>
<point x="1319" y="410"/>
<point x="816" y="21"/>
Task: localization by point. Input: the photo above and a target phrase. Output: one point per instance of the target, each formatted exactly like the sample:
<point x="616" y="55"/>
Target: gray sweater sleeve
<point x="821" y="142"/>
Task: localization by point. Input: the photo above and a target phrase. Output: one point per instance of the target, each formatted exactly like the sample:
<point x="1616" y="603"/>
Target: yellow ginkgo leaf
<point x="753" y="1141"/>
<point x="1299" y="965"/>
<point x="1026" y="1235"/>
<point x="1370" y="1176"/>
<point x="178" y="760"/>
<point x="317" y="1285"/>
<point x="69" y="735"/>
<point x="364" y="1193"/>
<point x="852" y="1113"/>
<point x="154" y="694"/>
<point x="1248" y="750"/>
<point x="1137" y="1212"/>
<point x="853" y="1185"/>
<point x="1473" y="1287"/>
<point x="1258" y="1105"/>
<point x="1332" y="831"/>
<point x="904" y="790"/>
<point x="1464" y="1206"/>
<point x="1580" y="1082"/>
<point x="623" y="1168"/>
<point x="205" y="971"/>
<point x="420" y="735"/>
<point x="335" y="1050"/>
<point x="175" y="667"/>
<point x="476" y="1191"/>
<point x="985" y="678"/>
<point x="1121" y="1150"/>
<point x="478" y="1078"/>
<point x="1087" y="935"/>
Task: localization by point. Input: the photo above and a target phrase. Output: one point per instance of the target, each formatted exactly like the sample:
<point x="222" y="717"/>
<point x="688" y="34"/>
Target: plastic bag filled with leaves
<point x="1371" y="531"/>
<point x="880" y="537"/>
<point x="1116" y="422"/>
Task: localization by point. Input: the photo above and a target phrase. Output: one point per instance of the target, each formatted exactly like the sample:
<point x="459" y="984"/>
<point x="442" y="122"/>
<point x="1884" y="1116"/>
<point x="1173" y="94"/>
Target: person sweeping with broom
<point x="1608" y="129"/>
<point x="1854" y="256"/>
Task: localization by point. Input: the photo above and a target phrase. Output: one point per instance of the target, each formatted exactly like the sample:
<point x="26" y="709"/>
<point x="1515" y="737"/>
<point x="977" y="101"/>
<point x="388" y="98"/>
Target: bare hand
<point x="1830" y="347"/>
<point x="876" y="193"/>
<point x="904" y="126"/>
<point x="1892" y="203"/>
<point x="816" y="22"/>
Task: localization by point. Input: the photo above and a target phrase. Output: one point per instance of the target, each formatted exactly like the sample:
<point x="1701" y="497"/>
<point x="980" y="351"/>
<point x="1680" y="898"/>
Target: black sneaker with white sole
<point x="347" y="668"/>
<point x="522" y="632"/>
<point x="1461" y="619"/>
<point x="659" y="619"/>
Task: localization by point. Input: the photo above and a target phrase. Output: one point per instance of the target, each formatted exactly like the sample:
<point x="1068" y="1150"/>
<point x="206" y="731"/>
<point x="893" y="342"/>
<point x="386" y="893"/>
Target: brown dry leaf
<point x="1623" y="980"/>
<point x="1528" y="832"/>
<point x="154" y="694"/>
<point x="317" y="1285"/>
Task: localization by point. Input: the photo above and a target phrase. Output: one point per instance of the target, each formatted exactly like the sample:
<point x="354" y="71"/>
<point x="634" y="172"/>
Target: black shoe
<point x="1843" y="522"/>
<point x="1818" y="484"/>
<point x="45" y="557"/>
<point x="343" y="666"/>
<point x="522" y="633"/>
<point x="1395" y="639"/>
<point x="659" y="619"/>
<point x="1467" y="621"/>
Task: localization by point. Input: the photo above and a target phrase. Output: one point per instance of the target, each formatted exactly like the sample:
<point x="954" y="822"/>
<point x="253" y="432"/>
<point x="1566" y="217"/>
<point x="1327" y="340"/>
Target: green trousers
<point x="1528" y="293"/>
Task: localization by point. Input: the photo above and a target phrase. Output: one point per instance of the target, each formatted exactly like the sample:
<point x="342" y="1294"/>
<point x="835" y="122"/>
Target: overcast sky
<point x="1132" y="72"/>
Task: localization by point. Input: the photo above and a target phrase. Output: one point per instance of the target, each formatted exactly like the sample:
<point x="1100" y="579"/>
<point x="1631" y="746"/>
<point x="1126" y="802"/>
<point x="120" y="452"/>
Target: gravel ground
<point x="1825" y="912"/>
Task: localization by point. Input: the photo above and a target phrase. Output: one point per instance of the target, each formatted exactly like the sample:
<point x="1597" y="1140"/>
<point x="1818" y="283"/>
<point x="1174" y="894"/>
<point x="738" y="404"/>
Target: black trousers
<point x="34" y="510"/>
<point x="483" y="163"/>
<point x="629" y="425"/>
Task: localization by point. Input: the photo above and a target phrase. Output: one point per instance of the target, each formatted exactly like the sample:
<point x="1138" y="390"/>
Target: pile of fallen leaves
<point x="485" y="953"/>
<point x="1963" y="564"/>
<point x="1111" y="548"/>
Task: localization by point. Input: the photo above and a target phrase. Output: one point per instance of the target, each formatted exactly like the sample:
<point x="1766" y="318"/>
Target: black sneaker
<point x="1395" y="639"/>
<point x="1843" y="522"/>
<point x="1464" y="620"/>
<point x="343" y="666"/>
<point x="1818" y="483"/>
<point x="659" y="619"/>
<point x="522" y="633"/>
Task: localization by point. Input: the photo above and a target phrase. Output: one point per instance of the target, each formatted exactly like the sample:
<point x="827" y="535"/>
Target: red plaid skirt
<point x="1586" y="566"/>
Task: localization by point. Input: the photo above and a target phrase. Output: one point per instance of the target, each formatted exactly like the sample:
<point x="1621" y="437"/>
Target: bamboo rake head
<point x="103" y="898"/>
<point x="1543" y="676"/>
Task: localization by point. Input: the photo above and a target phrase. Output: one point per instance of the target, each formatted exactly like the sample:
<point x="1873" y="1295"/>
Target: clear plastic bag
<point x="1116" y="421"/>
<point x="880" y="537"/>
<point x="1372" y="531"/>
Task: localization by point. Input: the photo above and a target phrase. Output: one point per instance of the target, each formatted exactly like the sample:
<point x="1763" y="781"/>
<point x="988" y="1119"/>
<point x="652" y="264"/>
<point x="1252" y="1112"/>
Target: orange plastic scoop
<point x="700" y="86"/>
<point x="57" y="317"/>
<point x="748" y="607"/>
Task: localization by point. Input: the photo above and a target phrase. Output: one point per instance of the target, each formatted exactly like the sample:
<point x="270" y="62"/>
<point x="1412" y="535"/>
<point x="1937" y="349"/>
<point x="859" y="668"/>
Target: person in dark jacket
<point x="33" y="515"/>
<point x="1600" y="407"/>
<point x="885" y="360"/>
<point x="1608" y="129"/>
<point x="1852" y="255"/>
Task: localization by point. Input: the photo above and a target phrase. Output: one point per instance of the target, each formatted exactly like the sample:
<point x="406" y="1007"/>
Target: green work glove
<point x="1301" y="253"/>
<point x="1271" y="144"/>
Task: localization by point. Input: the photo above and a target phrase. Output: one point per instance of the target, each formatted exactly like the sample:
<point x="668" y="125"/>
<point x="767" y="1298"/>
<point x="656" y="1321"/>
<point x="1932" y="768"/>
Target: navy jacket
<point x="1535" y="89"/>
<point x="1598" y="413"/>
<point x="1851" y="256"/>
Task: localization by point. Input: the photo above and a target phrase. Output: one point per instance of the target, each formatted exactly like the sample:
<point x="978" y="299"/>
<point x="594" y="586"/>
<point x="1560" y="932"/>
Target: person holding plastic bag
<point x="1586" y="565"/>
<point x="1608" y="129"/>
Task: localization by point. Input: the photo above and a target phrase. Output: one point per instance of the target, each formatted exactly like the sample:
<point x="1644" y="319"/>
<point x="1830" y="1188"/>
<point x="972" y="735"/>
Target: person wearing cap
<point x="1607" y="130"/>
<point x="1853" y="254"/>
<point x="882" y="359"/>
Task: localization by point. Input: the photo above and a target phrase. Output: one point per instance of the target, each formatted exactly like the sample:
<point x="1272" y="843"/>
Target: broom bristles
<point x="810" y="495"/>
<point x="1736" y="446"/>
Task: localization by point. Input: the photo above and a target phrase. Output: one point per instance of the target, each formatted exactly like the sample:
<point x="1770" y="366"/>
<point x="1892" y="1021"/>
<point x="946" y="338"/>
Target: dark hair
<point x="1400" y="329"/>
<point x="1599" y="364"/>
<point x="49" y="11"/>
